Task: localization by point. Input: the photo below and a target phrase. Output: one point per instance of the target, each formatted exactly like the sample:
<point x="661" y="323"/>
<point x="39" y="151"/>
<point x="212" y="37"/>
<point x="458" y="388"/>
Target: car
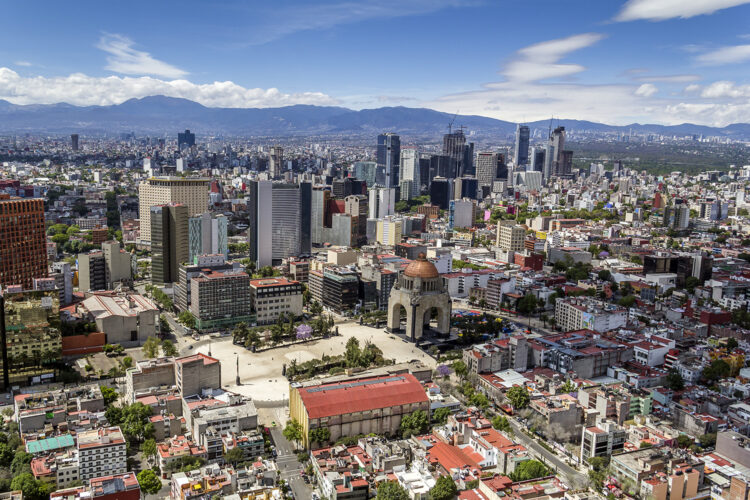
<point x="190" y="346"/>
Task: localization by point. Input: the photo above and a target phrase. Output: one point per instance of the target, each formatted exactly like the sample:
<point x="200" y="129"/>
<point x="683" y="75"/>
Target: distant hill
<point x="160" y="114"/>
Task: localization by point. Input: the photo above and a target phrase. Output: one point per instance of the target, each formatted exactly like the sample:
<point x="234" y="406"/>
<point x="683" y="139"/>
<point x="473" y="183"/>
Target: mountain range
<point x="167" y="115"/>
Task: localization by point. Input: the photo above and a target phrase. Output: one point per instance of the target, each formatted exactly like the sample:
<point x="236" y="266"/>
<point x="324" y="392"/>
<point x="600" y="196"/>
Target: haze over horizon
<point x="646" y="61"/>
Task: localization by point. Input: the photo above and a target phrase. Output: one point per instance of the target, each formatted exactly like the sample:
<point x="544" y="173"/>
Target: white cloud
<point x="280" y="22"/>
<point x="725" y="89"/>
<point x="725" y="55"/>
<point x="669" y="78"/>
<point x="84" y="90"/>
<point x="540" y="61"/>
<point x="125" y="59"/>
<point x="692" y="88"/>
<point x="660" y="10"/>
<point x="23" y="63"/>
<point x="646" y="90"/>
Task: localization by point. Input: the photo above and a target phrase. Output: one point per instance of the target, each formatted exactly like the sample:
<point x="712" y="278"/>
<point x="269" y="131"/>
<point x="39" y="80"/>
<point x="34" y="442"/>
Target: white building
<point x="101" y="452"/>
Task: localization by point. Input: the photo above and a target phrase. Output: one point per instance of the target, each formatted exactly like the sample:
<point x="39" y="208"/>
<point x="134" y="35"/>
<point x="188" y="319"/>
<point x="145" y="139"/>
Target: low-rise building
<point x="220" y="300"/>
<point x="272" y="297"/>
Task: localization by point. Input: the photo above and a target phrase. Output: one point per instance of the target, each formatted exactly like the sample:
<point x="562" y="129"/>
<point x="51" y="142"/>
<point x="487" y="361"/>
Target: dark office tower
<point x="185" y="139"/>
<point x="454" y="146"/>
<point x="465" y="187"/>
<point x="537" y="160"/>
<point x="388" y="158"/>
<point x="341" y="188"/>
<point x="502" y="168"/>
<point x="440" y="166"/>
<point x="521" y="153"/>
<point x="23" y="241"/>
<point x="618" y="170"/>
<point x="440" y="192"/>
<point x="74" y="141"/>
<point x="424" y="171"/>
<point x="468" y="167"/>
<point x="169" y="242"/>
<point x="565" y="165"/>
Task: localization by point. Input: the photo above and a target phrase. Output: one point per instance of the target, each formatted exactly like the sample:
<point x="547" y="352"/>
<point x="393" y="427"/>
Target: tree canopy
<point x="444" y="489"/>
<point x="391" y="490"/>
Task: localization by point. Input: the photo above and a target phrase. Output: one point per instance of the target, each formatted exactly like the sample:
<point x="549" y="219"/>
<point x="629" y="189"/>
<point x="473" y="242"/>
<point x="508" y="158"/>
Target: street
<point x="575" y="479"/>
<point x="289" y="466"/>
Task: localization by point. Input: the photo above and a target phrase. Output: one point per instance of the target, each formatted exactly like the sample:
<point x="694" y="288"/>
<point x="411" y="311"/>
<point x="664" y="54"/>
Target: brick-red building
<point x="23" y="242"/>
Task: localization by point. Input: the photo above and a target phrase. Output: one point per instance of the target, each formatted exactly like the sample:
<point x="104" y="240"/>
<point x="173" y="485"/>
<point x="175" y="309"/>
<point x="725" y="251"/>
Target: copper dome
<point x="421" y="268"/>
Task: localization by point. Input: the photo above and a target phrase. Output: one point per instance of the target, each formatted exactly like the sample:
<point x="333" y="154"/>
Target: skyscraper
<point x="23" y="241"/>
<point x="192" y="193"/>
<point x="388" y="157"/>
<point x="537" y="159"/>
<point x="382" y="202"/>
<point x="74" y="142"/>
<point x="365" y="171"/>
<point x="279" y="223"/>
<point x="410" y="172"/>
<point x="561" y="162"/>
<point x="276" y="162"/>
<point x="486" y="168"/>
<point x="169" y="242"/>
<point x="454" y="146"/>
<point x="521" y="154"/>
<point x="185" y="139"/>
<point x="440" y="192"/>
<point x="207" y="234"/>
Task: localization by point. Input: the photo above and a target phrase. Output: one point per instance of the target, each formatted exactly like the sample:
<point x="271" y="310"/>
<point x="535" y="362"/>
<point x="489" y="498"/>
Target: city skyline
<point x="657" y="61"/>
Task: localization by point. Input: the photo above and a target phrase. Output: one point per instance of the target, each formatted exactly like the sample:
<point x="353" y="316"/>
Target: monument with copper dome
<point x="419" y="290"/>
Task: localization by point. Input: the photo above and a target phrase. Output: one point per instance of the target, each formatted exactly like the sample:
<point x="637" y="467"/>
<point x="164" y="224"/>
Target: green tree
<point x="707" y="440"/>
<point x="149" y="482"/>
<point x="415" y="423"/>
<point x="320" y="435"/>
<point x="567" y="387"/>
<point x="684" y="441"/>
<point x="519" y="397"/>
<point x="440" y="416"/>
<point x="109" y="395"/>
<point x="732" y="343"/>
<point x="391" y="490"/>
<point x="148" y="448"/>
<point x="234" y="455"/>
<point x="151" y="347"/>
<point x="674" y="380"/>
<point x="444" y="489"/>
<point x="529" y="469"/>
<point x="501" y="423"/>
<point x="627" y="301"/>
<point x="527" y="305"/>
<point x="645" y="444"/>
<point x="20" y="463"/>
<point x="168" y="348"/>
<point x="316" y="308"/>
<point x="187" y="319"/>
<point x="605" y="275"/>
<point x="717" y="370"/>
<point x="460" y="368"/>
<point x="293" y="431"/>
<point x="31" y="488"/>
<point x="352" y="353"/>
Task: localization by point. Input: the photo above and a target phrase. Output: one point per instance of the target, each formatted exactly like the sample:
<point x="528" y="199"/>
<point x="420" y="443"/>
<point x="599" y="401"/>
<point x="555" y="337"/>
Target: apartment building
<point x="510" y="238"/>
<point x="101" y="451"/>
<point x="23" y="241"/>
<point x="164" y="190"/>
<point x="579" y="313"/>
<point x="220" y="299"/>
<point x="603" y="439"/>
<point x="271" y="297"/>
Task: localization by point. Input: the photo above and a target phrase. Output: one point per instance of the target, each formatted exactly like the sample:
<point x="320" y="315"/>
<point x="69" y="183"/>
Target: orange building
<point x="99" y="235"/>
<point x="23" y="242"/>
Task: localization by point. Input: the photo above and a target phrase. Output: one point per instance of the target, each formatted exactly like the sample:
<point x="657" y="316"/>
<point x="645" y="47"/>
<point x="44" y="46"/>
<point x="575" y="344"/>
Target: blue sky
<point x="614" y="61"/>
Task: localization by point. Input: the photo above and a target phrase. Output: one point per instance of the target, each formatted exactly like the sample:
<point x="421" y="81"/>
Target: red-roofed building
<point x="357" y="406"/>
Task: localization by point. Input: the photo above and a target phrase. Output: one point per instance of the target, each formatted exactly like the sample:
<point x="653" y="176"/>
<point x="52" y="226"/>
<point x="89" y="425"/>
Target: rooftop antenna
<point x="450" y="123"/>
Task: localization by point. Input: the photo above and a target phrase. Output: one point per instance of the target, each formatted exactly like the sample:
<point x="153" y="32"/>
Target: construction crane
<point x="450" y="123"/>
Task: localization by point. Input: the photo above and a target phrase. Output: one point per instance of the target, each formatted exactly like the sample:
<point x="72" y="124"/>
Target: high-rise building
<point x="279" y="223"/>
<point x="74" y="142"/>
<point x="28" y="335"/>
<point x="220" y="299"/>
<point x="440" y="166"/>
<point x="207" y="234"/>
<point x="465" y="187"/>
<point x="193" y="193"/>
<point x="169" y="242"/>
<point x="276" y="162"/>
<point x="382" y="202"/>
<point x="560" y="160"/>
<point x="388" y="157"/>
<point x="389" y="231"/>
<point x="454" y="146"/>
<point x="537" y="159"/>
<point x="356" y="206"/>
<point x="185" y="139"/>
<point x="410" y="172"/>
<point x="521" y="152"/>
<point x="510" y="237"/>
<point x="440" y="192"/>
<point x="486" y="168"/>
<point x="424" y="170"/>
<point x="23" y="241"/>
<point x="365" y="171"/>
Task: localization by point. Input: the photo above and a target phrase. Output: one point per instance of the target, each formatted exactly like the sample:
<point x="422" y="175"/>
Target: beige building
<point x="510" y="237"/>
<point x="271" y="297"/>
<point x="197" y="372"/>
<point x="389" y="232"/>
<point x="118" y="267"/>
<point x="165" y="190"/>
<point x="125" y="318"/>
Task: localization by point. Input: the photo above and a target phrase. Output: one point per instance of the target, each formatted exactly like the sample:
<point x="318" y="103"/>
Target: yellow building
<point x="389" y="232"/>
<point x="165" y="190"/>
